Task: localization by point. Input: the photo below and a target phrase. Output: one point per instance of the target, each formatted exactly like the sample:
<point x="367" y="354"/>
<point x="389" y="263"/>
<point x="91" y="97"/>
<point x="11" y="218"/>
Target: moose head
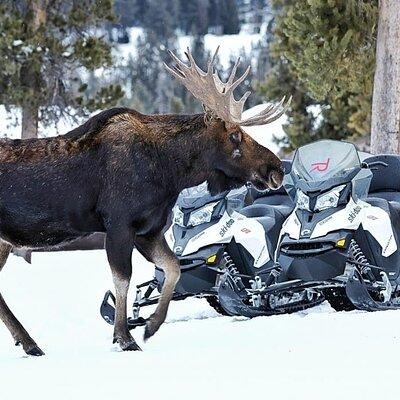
<point x="237" y="158"/>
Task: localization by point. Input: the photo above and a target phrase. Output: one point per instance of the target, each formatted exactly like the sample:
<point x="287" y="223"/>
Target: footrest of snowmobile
<point x="107" y="311"/>
<point x="135" y="322"/>
<point x="358" y="293"/>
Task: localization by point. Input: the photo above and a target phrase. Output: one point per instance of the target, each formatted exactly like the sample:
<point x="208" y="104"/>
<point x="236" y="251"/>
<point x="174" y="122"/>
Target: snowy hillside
<point x="197" y="354"/>
<point x="231" y="45"/>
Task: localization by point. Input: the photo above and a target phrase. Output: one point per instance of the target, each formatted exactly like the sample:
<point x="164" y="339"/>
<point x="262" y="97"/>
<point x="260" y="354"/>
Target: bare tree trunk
<point x="30" y="113"/>
<point x="385" y="125"/>
<point x="30" y="122"/>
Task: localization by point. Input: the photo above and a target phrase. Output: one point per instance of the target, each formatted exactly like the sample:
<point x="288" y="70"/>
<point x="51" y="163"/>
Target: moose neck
<point x="189" y="151"/>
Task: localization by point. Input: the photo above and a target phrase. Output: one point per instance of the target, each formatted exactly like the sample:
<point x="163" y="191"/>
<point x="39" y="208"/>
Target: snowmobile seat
<point x="270" y="220"/>
<point x="385" y="183"/>
<point x="257" y="210"/>
<point x="267" y="216"/>
<point x="277" y="201"/>
<point x="389" y="196"/>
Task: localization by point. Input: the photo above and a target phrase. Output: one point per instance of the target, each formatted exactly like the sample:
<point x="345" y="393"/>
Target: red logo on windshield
<point x="320" y="166"/>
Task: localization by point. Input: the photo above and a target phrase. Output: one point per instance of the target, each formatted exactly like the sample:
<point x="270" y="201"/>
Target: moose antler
<point x="217" y="96"/>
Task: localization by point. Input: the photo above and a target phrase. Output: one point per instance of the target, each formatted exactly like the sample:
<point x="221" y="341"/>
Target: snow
<point x="197" y="354"/>
<point x="231" y="45"/>
<point x="10" y="125"/>
<point x="264" y="134"/>
<point x="122" y="52"/>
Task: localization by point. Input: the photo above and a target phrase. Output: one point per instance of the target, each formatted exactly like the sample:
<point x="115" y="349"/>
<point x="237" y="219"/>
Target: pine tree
<point x="214" y="16"/>
<point x="164" y="93"/>
<point x="187" y="11"/>
<point x="324" y="50"/>
<point x="143" y="72"/>
<point x="202" y="17"/>
<point x="152" y="88"/>
<point x="229" y="17"/>
<point x="130" y="12"/>
<point x="161" y="18"/>
<point x="42" y="45"/>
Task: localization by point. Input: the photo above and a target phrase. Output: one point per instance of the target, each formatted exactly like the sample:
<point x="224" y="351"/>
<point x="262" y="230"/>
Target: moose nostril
<point x="275" y="179"/>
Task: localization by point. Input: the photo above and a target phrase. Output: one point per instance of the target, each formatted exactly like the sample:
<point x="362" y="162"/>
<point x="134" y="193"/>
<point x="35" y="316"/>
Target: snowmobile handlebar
<point x="373" y="164"/>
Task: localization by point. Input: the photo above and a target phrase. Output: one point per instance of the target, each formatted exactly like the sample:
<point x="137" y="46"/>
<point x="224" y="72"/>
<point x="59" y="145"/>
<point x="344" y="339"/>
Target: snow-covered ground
<point x="197" y="354"/>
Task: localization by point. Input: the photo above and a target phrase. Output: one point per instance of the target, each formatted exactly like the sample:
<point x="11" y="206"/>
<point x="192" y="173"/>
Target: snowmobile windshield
<point x="325" y="159"/>
<point x="195" y="191"/>
<point x="197" y="196"/>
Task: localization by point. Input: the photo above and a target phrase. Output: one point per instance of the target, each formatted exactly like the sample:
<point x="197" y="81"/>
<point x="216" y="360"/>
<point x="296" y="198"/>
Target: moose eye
<point x="236" y="137"/>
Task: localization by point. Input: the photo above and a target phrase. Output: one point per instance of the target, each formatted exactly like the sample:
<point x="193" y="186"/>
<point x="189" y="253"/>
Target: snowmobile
<point x="217" y="238"/>
<point x="341" y="239"/>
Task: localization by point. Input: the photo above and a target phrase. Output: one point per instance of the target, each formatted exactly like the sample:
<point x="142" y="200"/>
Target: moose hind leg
<point x="18" y="332"/>
<point x="119" y="246"/>
<point x="158" y="251"/>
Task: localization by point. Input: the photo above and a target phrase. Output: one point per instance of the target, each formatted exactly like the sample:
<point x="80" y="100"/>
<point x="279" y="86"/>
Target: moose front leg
<point x="119" y="246"/>
<point x="156" y="249"/>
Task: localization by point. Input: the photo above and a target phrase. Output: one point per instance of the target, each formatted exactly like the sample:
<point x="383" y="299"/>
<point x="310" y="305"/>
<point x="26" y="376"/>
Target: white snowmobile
<point x="341" y="239"/>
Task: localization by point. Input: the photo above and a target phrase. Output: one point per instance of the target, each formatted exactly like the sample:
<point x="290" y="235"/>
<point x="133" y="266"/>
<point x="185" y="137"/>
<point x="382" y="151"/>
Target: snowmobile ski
<point x="281" y="298"/>
<point x="358" y="293"/>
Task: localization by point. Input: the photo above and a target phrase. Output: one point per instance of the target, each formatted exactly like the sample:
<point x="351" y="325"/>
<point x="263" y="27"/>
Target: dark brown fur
<point x="119" y="173"/>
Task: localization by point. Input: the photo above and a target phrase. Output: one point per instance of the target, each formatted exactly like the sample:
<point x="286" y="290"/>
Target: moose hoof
<point x="34" y="351"/>
<point x="150" y="329"/>
<point x="127" y="344"/>
<point x="30" y="348"/>
<point x="131" y="346"/>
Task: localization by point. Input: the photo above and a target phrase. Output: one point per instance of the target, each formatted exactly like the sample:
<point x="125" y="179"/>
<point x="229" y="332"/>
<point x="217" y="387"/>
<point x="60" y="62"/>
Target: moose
<point x="120" y="173"/>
